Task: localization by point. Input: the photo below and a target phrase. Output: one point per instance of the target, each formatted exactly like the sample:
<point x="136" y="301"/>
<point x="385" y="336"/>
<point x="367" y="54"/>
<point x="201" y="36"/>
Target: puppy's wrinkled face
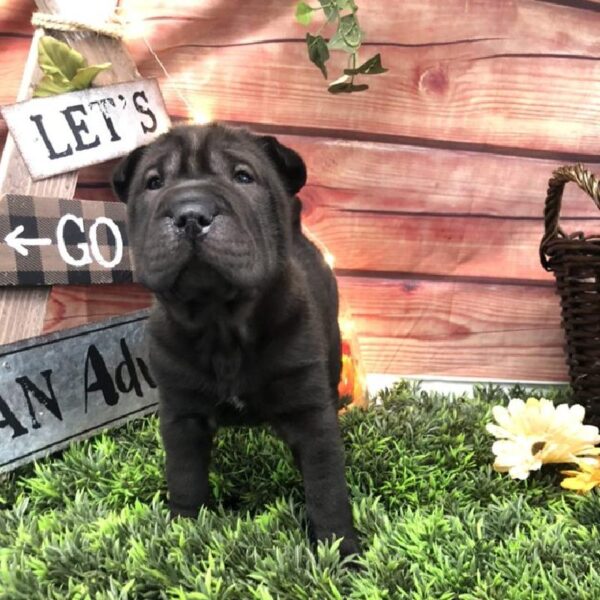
<point x="209" y="209"/>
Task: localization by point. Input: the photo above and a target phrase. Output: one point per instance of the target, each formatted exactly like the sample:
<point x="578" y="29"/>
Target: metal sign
<point x="45" y="241"/>
<point x="66" y="132"/>
<point x="66" y="386"/>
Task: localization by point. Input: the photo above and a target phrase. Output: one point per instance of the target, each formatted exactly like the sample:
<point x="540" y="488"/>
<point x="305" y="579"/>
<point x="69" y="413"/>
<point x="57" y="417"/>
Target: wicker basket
<point x="575" y="261"/>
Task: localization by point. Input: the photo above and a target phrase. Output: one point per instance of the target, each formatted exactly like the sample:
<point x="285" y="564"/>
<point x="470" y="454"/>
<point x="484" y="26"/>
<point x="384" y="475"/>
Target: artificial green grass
<point x="435" y="521"/>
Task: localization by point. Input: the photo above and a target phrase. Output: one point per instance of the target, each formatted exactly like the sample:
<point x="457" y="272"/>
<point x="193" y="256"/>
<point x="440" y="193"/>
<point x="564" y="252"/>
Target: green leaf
<point x="344" y="4"/>
<point x="318" y="51"/>
<point x="348" y="36"/>
<point x="65" y="69"/>
<point x="372" y="66"/>
<point x="337" y="43"/>
<point x="341" y="86"/>
<point x="84" y="77"/>
<point x="51" y="86"/>
<point x="342" y="79"/>
<point x="329" y="8"/>
<point x="303" y="13"/>
<point x="58" y="59"/>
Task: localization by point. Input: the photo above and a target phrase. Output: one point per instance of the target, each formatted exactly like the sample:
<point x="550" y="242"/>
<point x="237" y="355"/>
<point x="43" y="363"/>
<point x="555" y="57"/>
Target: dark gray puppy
<point x="244" y="330"/>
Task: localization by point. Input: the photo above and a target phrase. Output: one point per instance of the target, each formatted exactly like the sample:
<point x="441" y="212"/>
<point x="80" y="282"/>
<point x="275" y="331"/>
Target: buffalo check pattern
<point x="44" y="265"/>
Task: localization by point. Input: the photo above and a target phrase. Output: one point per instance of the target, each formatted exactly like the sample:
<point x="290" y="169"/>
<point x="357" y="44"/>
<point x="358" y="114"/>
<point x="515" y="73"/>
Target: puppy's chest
<point x="228" y="359"/>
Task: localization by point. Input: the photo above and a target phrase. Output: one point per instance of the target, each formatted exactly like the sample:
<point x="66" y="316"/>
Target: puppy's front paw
<point x="349" y="546"/>
<point x="177" y="510"/>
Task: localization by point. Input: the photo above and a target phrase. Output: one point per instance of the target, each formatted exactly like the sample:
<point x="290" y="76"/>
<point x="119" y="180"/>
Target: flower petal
<point x="516" y="406"/>
<point x="562" y="413"/>
<point x="571" y="483"/>
<point x="509" y="451"/>
<point x="577" y="412"/>
<point x="590" y="452"/>
<point x="546" y="410"/>
<point x="577" y="484"/>
<point x="571" y="473"/>
<point x="590" y="432"/>
<point x="519" y="472"/>
<point x="499" y="432"/>
<point x="502" y="417"/>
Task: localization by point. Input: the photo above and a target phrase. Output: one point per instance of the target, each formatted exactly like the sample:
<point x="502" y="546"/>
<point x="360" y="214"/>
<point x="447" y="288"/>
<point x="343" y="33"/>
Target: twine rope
<point x="168" y="75"/>
<point x="112" y="28"/>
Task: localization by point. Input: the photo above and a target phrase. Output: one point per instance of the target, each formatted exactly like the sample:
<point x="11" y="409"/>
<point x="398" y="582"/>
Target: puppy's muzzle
<point x="193" y="215"/>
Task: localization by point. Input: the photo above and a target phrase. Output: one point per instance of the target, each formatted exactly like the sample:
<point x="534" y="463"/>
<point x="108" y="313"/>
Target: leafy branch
<point x="347" y="38"/>
<point x="65" y="69"/>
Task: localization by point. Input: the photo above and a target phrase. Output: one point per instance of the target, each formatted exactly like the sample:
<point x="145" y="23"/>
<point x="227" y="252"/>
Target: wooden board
<point x="530" y="359"/>
<point x="477" y="247"/>
<point x="447" y="309"/>
<point x="449" y="328"/>
<point x="71" y="306"/>
<point x="353" y="175"/>
<point x="15" y="17"/>
<point x="487" y="101"/>
<point x="23" y="310"/>
<point x="525" y="26"/>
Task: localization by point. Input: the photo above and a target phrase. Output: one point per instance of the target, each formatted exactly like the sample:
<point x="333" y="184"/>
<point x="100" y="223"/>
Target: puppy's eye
<point x="154" y="182"/>
<point x="242" y="176"/>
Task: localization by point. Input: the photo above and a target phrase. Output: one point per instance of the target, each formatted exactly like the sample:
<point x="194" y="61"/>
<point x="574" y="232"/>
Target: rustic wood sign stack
<point x="68" y="385"/>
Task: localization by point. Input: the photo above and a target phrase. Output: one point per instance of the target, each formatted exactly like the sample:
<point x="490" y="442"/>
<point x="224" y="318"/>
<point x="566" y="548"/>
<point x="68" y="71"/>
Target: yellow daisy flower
<point x="584" y="480"/>
<point x="536" y="432"/>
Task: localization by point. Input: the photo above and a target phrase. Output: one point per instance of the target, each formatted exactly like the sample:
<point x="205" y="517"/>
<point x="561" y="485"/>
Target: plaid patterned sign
<point x="45" y="241"/>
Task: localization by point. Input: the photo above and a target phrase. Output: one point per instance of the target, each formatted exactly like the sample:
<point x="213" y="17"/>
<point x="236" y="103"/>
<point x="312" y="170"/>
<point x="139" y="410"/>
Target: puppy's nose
<point x="194" y="217"/>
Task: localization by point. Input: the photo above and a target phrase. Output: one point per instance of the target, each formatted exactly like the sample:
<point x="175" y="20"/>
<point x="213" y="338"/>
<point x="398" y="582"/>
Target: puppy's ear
<point x="123" y="173"/>
<point x="289" y="163"/>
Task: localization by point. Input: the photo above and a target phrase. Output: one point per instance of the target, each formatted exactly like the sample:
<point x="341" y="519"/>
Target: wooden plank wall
<point x="428" y="189"/>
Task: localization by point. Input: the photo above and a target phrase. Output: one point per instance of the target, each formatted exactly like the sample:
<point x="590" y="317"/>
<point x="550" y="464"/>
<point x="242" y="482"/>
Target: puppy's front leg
<point x="188" y="443"/>
<point x="314" y="437"/>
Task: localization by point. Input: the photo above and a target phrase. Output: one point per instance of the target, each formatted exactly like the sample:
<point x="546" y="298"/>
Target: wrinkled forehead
<point x="195" y="151"/>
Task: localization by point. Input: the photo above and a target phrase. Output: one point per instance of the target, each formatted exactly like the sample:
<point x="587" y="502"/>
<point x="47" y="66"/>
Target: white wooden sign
<point x="69" y="131"/>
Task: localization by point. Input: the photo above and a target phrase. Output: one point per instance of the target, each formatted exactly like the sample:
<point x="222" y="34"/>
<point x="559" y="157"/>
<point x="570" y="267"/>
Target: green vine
<point x="347" y="38"/>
